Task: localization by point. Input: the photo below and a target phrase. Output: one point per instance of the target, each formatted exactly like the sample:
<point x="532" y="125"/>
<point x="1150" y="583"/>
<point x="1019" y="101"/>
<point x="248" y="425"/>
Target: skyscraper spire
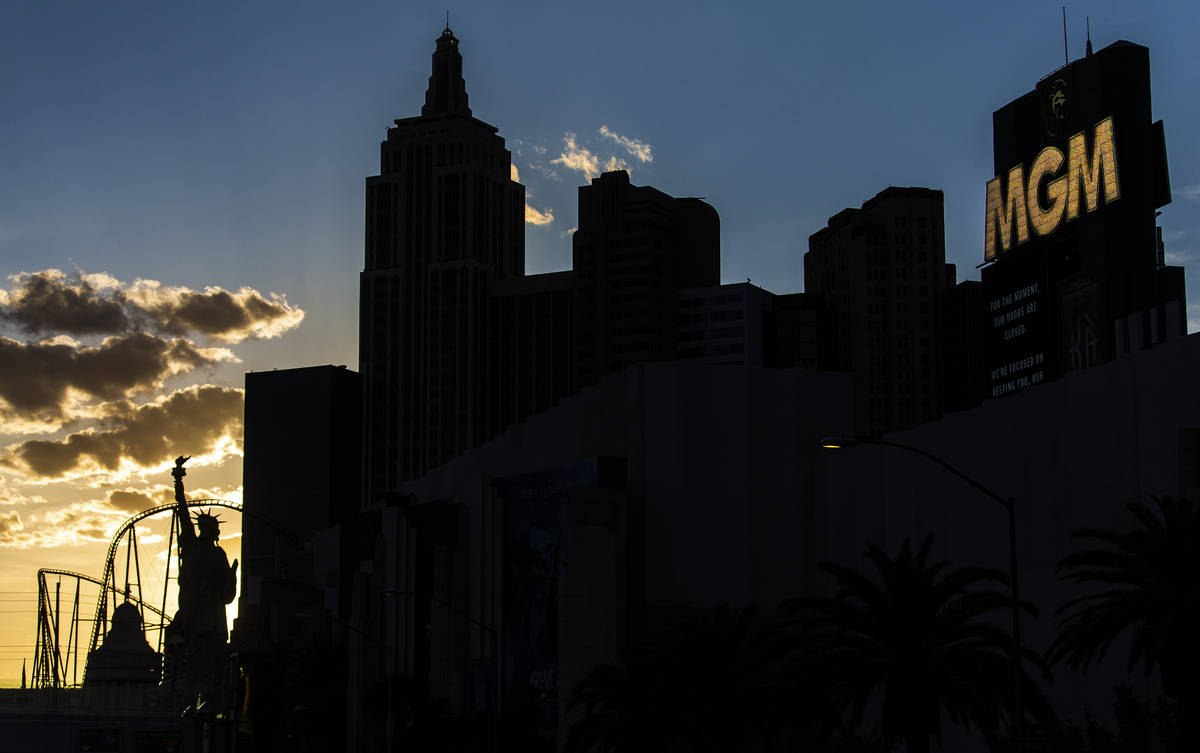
<point x="447" y="92"/>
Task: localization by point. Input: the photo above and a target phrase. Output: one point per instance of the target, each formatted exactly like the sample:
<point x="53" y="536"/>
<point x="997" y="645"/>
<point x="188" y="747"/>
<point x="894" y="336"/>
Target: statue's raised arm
<point x="186" y="531"/>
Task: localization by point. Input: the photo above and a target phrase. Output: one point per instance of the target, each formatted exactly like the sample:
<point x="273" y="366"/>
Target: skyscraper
<point x="443" y="220"/>
<point x="882" y="269"/>
<point x="635" y="247"/>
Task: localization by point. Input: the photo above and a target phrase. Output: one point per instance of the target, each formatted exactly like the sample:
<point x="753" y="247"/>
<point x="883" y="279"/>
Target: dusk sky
<point x="182" y="189"/>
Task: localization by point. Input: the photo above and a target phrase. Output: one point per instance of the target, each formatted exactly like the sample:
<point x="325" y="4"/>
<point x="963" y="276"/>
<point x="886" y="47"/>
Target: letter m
<point x="1086" y="171"/>
<point x="1003" y="210"/>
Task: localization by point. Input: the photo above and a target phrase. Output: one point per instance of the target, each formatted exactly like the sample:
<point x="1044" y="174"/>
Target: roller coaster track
<point x="49" y="664"/>
<point x="108" y="583"/>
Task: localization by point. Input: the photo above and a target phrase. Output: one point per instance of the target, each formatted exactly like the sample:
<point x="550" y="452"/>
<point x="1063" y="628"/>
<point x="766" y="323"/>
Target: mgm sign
<point x="1011" y="213"/>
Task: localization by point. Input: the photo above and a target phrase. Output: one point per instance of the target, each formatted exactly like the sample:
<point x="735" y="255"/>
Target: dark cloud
<point x="216" y="313"/>
<point x="48" y="302"/>
<point x="51" y="302"/>
<point x="190" y="421"/>
<point x="130" y="501"/>
<point x="36" y="378"/>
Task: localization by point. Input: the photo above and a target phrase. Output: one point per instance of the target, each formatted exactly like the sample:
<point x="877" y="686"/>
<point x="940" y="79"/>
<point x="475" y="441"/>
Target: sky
<point x="182" y="185"/>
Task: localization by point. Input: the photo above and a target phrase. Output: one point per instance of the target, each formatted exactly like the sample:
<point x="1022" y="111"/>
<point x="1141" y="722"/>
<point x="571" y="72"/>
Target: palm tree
<point x="705" y="686"/>
<point x="913" y="633"/>
<point x="1151" y="589"/>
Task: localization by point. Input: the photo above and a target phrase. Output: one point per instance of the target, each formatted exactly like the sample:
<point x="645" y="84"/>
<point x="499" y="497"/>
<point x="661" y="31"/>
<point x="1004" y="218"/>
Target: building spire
<point x="447" y="92"/>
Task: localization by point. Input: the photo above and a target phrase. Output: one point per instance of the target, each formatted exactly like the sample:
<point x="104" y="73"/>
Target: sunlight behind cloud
<point x="41" y="382"/>
<point x="207" y="418"/>
<point x="51" y="301"/>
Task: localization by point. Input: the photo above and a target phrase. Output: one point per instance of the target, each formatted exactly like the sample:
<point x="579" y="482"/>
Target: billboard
<point x="536" y="547"/>
<point x="1070" y="244"/>
<point x="1019" y="327"/>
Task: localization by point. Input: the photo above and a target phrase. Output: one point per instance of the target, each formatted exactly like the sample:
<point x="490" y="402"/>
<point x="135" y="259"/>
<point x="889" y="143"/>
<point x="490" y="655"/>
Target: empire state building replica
<point x="443" y="220"/>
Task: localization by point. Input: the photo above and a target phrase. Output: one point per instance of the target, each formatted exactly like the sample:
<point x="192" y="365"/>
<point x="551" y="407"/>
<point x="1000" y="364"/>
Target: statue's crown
<point x="205" y="520"/>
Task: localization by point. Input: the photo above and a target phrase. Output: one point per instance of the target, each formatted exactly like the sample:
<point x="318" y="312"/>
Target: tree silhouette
<point x="915" y="635"/>
<point x="1149" y="579"/>
<point x="705" y="686"/>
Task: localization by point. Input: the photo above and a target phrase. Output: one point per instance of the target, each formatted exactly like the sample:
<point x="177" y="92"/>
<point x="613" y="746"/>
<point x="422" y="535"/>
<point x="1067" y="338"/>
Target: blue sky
<point x="226" y="144"/>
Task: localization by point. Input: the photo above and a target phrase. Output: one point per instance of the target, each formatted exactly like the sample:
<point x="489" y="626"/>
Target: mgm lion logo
<point x="1056" y="108"/>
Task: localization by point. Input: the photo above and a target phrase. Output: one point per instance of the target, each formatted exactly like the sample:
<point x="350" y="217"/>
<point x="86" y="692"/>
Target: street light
<point x="495" y="651"/>
<point x="837" y="443"/>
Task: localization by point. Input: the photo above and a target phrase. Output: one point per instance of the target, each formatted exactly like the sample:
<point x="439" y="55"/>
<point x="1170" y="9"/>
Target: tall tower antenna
<point x="1066" y="54"/>
<point x="447" y="19"/>
<point x="1087" y="50"/>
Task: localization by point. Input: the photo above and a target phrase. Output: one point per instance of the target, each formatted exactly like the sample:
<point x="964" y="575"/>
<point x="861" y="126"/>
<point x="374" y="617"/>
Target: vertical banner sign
<point x="536" y="516"/>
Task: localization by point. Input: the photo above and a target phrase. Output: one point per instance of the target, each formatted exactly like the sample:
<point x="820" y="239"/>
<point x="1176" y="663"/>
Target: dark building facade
<point x="300" y="473"/>
<point x="881" y="270"/>
<point x="635" y="247"/>
<point x="531" y="343"/>
<point x="444" y="220"/>
<point x="1075" y="274"/>
<point x="962" y="346"/>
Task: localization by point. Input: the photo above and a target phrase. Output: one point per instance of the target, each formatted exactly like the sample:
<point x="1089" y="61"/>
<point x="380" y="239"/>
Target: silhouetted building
<point x="635" y="247"/>
<point x="443" y="220"/>
<point x="722" y="324"/>
<point x="532" y="345"/>
<point x="300" y="475"/>
<point x="1071" y="454"/>
<point x="123" y="672"/>
<point x="565" y="540"/>
<point x="740" y="324"/>
<point x="881" y="270"/>
<point x="1076" y="275"/>
<point x="797" y="333"/>
<point x="962" y="346"/>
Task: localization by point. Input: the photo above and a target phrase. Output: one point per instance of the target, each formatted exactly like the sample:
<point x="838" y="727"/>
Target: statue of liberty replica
<point x="197" y="636"/>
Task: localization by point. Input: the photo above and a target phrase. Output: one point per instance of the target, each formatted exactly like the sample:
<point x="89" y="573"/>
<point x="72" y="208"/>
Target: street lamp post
<point x="837" y="443"/>
<point x="492" y="632"/>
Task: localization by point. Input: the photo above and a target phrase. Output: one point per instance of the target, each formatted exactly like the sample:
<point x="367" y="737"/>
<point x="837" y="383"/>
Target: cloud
<point x="217" y="313"/>
<point x="577" y="158"/>
<point x="48" y="301"/>
<point x="8" y="497"/>
<point x="1191" y="193"/>
<point x="637" y="148"/>
<point x="40" y="381"/>
<point x="199" y="420"/>
<point x="513" y="173"/>
<point x="132" y="500"/>
<point x="79" y="523"/>
<point x="10" y="527"/>
<point x="534" y="216"/>
<point x="569" y="231"/>
<point x="582" y="160"/>
<point x="81" y="304"/>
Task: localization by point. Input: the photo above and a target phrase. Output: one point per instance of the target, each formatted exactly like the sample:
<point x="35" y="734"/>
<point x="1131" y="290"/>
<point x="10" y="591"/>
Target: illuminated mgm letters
<point x="1023" y="204"/>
